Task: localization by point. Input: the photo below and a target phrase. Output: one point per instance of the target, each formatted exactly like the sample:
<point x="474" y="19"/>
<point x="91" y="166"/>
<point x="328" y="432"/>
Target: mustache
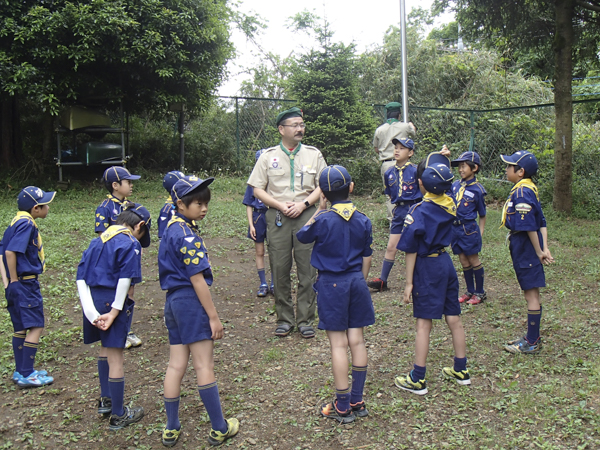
<point x="299" y="133"/>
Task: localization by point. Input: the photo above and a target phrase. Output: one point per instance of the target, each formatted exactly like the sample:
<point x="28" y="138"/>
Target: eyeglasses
<point x="296" y="125"/>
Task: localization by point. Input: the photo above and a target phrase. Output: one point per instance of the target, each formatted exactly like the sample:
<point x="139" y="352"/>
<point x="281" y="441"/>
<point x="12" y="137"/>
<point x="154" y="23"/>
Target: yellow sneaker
<point x="217" y="438"/>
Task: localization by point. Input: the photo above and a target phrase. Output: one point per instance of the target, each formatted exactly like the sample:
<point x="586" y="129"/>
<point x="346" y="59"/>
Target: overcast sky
<point x="363" y="24"/>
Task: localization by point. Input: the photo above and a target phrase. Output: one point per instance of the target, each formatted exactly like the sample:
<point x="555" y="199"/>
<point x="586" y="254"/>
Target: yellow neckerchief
<point x="525" y="182"/>
<point x="176" y="219"/>
<point x="463" y="187"/>
<point x="112" y="231"/>
<point x="112" y="198"/>
<point x="291" y="155"/>
<point x="169" y="200"/>
<point x="443" y="201"/>
<point x="344" y="210"/>
<point x="25" y="215"/>
<point x="401" y="174"/>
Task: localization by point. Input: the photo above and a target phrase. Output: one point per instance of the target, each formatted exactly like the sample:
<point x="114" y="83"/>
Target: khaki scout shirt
<point x="384" y="135"/>
<point x="272" y="173"/>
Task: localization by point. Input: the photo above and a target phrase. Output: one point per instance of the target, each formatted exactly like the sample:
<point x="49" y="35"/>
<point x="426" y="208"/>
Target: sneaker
<point x="16" y="377"/>
<point x="466" y="296"/>
<point x="378" y="284"/>
<point x="132" y="340"/>
<point x="330" y="410"/>
<point x="522" y="345"/>
<point x="104" y="405"/>
<point x="169" y="437"/>
<point x="272" y="290"/>
<point x="35" y="379"/>
<point x="263" y="290"/>
<point x="463" y="378"/>
<point x="359" y="409"/>
<point x="476" y="299"/>
<point x="217" y="438"/>
<point x="416" y="387"/>
<point x="131" y="415"/>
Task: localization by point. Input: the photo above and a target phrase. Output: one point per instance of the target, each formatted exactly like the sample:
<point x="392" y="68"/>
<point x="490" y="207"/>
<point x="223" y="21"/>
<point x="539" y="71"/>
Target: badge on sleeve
<point x="523" y="208"/>
<point x="408" y="219"/>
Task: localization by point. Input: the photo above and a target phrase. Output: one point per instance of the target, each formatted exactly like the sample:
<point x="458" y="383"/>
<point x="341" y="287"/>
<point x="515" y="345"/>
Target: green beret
<point x="292" y="112"/>
<point x="393" y="106"/>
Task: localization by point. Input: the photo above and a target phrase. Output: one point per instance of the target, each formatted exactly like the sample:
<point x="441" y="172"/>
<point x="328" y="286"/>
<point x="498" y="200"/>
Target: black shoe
<point x="378" y="284"/>
<point x="131" y="415"/>
<point x="104" y="405"/>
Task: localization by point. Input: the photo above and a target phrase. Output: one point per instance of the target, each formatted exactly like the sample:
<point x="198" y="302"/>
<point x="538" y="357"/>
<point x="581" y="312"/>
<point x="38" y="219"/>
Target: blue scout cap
<point x="523" y="159"/>
<point x="393" y="106"/>
<point x="467" y="156"/>
<point x="187" y="185"/>
<point x="408" y="143"/>
<point x="334" y="178"/>
<point x="116" y="173"/>
<point x="437" y="176"/>
<point x="292" y="112"/>
<point x="258" y="153"/>
<point x="171" y="178"/>
<point x="32" y="196"/>
<point x="143" y="214"/>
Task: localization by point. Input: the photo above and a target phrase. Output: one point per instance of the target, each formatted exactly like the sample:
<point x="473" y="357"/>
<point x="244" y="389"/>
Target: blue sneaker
<point x="36" y="379"/>
<point x="263" y="290"/>
<point x="272" y="289"/>
<point x="522" y="345"/>
<point x="16" y="377"/>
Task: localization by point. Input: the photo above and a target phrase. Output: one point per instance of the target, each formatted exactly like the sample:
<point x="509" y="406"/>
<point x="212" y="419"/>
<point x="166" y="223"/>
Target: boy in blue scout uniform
<point x="522" y="215"/>
<point x="342" y="252"/>
<point x="190" y="314"/>
<point x="430" y="274"/>
<point x="469" y="196"/>
<point x="109" y="266"/>
<point x="257" y="231"/>
<point x="23" y="260"/>
<point x="118" y="182"/>
<point x="167" y="210"/>
<point x="402" y="188"/>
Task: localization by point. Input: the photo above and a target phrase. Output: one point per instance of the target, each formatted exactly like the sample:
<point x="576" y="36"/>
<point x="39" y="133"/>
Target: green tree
<point x="325" y="83"/>
<point x="534" y="27"/>
<point x="147" y="52"/>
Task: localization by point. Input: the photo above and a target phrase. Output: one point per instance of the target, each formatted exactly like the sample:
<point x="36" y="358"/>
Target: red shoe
<point x="466" y="296"/>
<point x="378" y="284"/>
<point x="477" y="299"/>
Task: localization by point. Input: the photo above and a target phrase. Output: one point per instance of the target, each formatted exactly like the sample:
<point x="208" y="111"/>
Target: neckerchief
<point x="344" y="210"/>
<point x="291" y="155"/>
<point x="112" y="198"/>
<point x="25" y="215"/>
<point x="463" y="187"/>
<point x="443" y="201"/>
<point x="391" y="121"/>
<point x="112" y="231"/>
<point x="169" y="200"/>
<point x="525" y="182"/>
<point x="401" y="174"/>
<point x="175" y="219"/>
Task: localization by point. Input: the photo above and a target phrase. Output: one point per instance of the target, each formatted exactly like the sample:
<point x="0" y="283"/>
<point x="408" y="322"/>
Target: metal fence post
<point x="472" y="142"/>
<point x="237" y="131"/>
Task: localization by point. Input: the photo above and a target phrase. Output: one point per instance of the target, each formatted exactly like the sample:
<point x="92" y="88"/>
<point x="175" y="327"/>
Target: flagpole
<point x="404" y="65"/>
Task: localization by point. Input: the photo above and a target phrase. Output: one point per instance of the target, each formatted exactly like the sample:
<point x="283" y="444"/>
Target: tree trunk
<point x="563" y="107"/>
<point x="48" y="149"/>
<point x="10" y="133"/>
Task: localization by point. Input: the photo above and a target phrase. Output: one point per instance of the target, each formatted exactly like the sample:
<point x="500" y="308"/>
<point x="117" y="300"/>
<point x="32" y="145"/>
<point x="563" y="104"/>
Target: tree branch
<point x="587" y="5"/>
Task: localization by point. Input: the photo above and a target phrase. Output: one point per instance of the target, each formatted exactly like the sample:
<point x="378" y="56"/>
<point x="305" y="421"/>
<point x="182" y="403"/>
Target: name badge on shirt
<point x="469" y="194"/>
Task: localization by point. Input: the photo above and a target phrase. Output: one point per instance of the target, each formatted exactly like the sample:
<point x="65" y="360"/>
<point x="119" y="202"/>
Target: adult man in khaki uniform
<point x="285" y="178"/>
<point x="384" y="147"/>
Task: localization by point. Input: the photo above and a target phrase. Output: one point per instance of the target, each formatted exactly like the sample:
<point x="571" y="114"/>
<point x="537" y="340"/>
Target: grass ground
<point x="274" y="386"/>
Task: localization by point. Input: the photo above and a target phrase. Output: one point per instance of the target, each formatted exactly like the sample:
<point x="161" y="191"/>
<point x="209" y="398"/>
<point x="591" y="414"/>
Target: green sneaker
<point x="217" y="438"/>
<point x="463" y="378"/>
<point x="169" y="437"/>
<point x="416" y="387"/>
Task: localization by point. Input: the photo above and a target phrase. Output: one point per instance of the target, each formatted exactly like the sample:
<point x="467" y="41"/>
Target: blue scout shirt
<point x="342" y="237"/>
<point x="113" y="255"/>
<point x="401" y="183"/>
<point x="107" y="212"/>
<point x="523" y="212"/>
<point x="166" y="214"/>
<point x="251" y="200"/>
<point x="469" y="198"/>
<point x="428" y="225"/>
<point x="23" y="238"/>
<point x="182" y="254"/>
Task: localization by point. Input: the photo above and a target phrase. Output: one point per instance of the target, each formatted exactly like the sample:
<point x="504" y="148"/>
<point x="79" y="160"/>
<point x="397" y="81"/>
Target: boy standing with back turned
<point x="430" y="274"/>
<point x="522" y="215"/>
<point x="342" y="255"/>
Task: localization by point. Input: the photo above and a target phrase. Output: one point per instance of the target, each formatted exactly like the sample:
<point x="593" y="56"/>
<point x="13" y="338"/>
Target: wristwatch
<point x="306" y="203"/>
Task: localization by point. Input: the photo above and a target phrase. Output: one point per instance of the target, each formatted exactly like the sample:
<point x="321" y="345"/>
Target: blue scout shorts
<point x="116" y="335"/>
<point x="528" y="268"/>
<point x="25" y="305"/>
<point x="186" y="318"/>
<point x="400" y="212"/>
<point x="343" y="301"/>
<point x="435" y="287"/>
<point x="259" y="219"/>
<point x="466" y="238"/>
